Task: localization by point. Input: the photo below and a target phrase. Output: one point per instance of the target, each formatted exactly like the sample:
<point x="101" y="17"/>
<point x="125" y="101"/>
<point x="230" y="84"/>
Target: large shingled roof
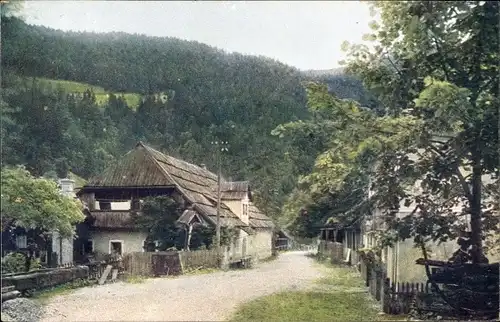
<point x="146" y="167"/>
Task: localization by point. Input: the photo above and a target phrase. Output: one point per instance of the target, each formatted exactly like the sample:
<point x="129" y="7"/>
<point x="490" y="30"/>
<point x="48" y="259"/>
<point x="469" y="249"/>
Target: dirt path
<point x="209" y="297"/>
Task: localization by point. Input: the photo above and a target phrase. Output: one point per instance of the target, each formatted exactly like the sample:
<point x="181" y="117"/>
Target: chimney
<point x="67" y="187"/>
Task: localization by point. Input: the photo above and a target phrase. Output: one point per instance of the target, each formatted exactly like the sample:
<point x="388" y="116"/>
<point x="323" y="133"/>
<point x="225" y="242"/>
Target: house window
<point x="104" y="205"/>
<point x="21" y="241"/>
<point x="245" y="209"/>
<point x="116" y="246"/>
<point x="88" y="247"/>
<point x="135" y="204"/>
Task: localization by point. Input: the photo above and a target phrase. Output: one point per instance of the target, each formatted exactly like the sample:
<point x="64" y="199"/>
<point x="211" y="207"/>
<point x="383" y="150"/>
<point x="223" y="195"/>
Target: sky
<point x="304" y="34"/>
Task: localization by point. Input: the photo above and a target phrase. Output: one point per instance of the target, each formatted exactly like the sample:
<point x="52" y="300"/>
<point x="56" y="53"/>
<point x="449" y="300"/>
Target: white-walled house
<point x="400" y="259"/>
<point x="113" y="196"/>
<point x="259" y="244"/>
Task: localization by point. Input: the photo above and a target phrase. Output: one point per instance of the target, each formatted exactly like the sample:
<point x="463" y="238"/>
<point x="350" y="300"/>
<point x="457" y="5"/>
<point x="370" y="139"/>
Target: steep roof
<point x="235" y="190"/>
<point x="257" y="219"/>
<point x="147" y="167"/>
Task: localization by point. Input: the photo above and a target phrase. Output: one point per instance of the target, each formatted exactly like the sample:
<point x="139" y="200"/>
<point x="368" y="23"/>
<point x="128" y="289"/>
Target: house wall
<point x="64" y="248"/>
<point x="64" y="254"/>
<point x="261" y="243"/>
<point x="237" y="249"/>
<point x="236" y="207"/>
<point x="133" y="241"/>
<point x="400" y="259"/>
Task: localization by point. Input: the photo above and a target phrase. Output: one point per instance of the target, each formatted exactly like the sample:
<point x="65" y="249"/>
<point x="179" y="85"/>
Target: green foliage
<point x="13" y="8"/>
<point x="46" y="294"/>
<point x="30" y="202"/>
<point x="16" y="263"/>
<point x="434" y="140"/>
<point x="102" y="96"/>
<point x="337" y="296"/>
<point x="210" y="95"/>
<point x="158" y="218"/>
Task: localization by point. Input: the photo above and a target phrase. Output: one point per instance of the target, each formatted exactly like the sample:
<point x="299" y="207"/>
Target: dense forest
<point x="210" y="95"/>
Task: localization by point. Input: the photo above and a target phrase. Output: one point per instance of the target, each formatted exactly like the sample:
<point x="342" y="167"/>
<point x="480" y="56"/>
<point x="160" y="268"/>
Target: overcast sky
<point x="304" y="34"/>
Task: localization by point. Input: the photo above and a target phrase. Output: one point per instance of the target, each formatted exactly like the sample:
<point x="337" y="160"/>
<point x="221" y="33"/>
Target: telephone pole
<point x="220" y="146"/>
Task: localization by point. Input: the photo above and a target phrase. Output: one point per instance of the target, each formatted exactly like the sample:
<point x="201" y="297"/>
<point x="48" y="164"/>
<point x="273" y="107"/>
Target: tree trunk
<point x="476" y="211"/>
<point x="190" y="232"/>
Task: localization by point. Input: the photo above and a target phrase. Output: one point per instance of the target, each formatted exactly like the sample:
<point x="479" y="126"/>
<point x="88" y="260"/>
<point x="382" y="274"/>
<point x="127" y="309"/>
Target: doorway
<point x="116" y="246"/>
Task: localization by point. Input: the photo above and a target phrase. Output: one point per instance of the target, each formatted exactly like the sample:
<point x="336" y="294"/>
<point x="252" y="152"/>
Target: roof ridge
<point x="178" y="186"/>
<point x="177" y="159"/>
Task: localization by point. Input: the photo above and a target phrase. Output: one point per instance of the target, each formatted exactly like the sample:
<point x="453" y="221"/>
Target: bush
<point x="15" y="263"/>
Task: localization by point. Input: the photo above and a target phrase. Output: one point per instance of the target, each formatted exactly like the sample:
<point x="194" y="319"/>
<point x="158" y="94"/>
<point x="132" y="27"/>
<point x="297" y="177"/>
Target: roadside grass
<point x="307" y="306"/>
<point x="339" y="295"/>
<point x="43" y="296"/>
<point x="135" y="279"/>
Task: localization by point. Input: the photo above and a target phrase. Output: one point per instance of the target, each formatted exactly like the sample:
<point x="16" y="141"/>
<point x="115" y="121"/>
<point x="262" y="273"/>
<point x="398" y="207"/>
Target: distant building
<point x="111" y="197"/>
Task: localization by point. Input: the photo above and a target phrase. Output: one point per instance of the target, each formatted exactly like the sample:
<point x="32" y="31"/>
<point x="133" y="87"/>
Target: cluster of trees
<point x="159" y="216"/>
<point x="434" y="71"/>
<point x="211" y="95"/>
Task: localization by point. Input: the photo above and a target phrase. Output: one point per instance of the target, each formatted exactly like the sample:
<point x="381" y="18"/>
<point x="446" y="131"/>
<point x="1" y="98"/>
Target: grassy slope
<point x="338" y="296"/>
<point x="101" y="94"/>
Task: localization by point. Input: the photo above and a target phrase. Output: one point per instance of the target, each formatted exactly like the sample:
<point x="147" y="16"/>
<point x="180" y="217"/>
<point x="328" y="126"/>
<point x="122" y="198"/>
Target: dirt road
<point x="208" y="297"/>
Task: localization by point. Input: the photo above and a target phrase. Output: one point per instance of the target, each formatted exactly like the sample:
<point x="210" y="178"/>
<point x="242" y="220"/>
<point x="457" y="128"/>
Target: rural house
<point x="111" y="198"/>
<point x="51" y="251"/>
<point x="399" y="260"/>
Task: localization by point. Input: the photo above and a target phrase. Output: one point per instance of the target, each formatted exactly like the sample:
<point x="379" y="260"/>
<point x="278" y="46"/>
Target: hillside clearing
<point x="132" y="99"/>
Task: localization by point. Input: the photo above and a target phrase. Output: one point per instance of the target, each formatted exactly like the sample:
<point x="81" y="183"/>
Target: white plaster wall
<point x="66" y="250"/>
<point x="237" y="249"/>
<point x="260" y="244"/>
<point x="236" y="207"/>
<point x="132" y="241"/>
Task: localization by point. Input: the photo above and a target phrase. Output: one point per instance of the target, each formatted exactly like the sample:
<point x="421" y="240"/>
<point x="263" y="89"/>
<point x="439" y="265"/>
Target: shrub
<point x="15" y="263"/>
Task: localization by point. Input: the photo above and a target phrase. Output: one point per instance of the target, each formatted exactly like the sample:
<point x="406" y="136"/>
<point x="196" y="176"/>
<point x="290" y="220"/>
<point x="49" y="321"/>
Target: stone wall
<point x="44" y="278"/>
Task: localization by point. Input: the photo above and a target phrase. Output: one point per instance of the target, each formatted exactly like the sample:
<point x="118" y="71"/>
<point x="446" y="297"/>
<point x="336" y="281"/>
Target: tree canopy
<point x="211" y="95"/>
<point x="29" y="203"/>
<point x="434" y="71"/>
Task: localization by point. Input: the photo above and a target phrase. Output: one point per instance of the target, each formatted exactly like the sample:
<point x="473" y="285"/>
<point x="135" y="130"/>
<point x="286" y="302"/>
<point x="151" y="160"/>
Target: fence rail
<point x="395" y="298"/>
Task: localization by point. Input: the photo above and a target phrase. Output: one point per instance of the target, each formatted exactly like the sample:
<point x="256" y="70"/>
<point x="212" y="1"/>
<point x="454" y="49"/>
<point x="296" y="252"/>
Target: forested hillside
<point x="210" y="95"/>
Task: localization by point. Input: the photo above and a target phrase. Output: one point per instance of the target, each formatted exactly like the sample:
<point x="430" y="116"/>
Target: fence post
<point x="386" y="296"/>
<point x="378" y="284"/>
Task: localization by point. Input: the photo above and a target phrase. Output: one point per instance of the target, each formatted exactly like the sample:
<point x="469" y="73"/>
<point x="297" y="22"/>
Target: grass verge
<point x="44" y="295"/>
<point x="337" y="296"/>
<point x="135" y="279"/>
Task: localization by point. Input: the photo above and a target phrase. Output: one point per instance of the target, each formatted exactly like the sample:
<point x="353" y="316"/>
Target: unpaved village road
<point x="208" y="297"/>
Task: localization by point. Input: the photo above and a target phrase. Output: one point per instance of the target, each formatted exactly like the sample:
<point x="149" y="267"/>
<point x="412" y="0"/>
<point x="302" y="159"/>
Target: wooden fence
<point x="142" y="263"/>
<point x="199" y="259"/>
<point x="394" y="298"/>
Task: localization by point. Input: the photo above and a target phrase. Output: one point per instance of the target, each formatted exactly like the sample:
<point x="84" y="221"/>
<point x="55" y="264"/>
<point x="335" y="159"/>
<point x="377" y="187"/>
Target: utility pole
<point x="220" y="146"/>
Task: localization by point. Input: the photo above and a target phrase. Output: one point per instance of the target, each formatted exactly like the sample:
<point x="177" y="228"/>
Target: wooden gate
<point x="166" y="264"/>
